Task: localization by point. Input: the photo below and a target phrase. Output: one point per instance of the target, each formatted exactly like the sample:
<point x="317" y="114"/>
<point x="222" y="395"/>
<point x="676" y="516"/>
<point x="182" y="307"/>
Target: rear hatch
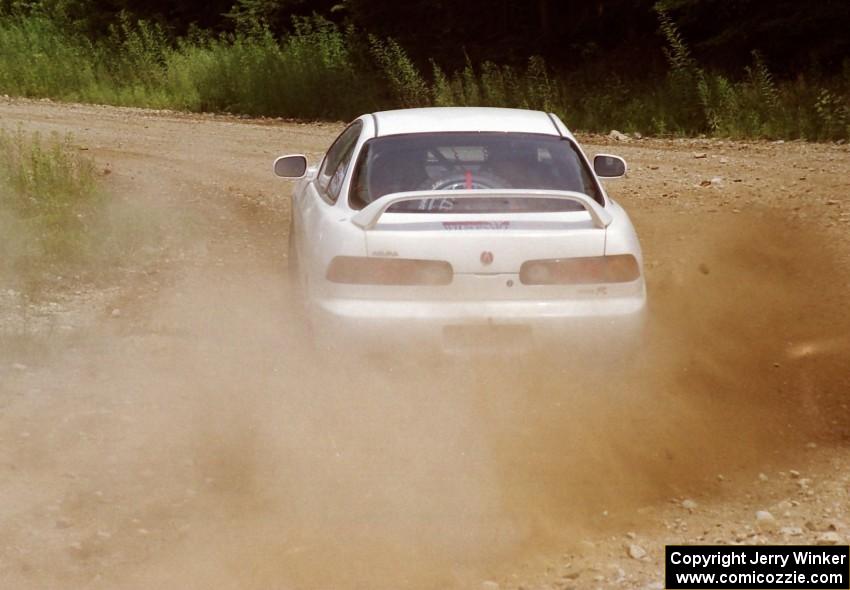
<point x="486" y="244"/>
<point x="487" y="250"/>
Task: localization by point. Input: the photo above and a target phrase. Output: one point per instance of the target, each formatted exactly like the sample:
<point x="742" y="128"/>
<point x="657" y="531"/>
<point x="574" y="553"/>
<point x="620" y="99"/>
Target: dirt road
<point x="170" y="429"/>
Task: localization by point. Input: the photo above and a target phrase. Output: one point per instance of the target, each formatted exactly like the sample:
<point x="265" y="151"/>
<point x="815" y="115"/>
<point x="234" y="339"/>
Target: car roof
<point x="457" y="119"/>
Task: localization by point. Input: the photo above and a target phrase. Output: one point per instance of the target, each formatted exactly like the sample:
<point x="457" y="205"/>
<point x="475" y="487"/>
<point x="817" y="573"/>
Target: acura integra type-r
<point x="463" y="230"/>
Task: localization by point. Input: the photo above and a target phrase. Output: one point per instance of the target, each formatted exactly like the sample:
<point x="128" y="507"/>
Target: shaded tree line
<point x="793" y="37"/>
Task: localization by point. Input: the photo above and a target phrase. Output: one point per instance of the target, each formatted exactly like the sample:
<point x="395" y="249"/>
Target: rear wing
<point x="368" y="217"/>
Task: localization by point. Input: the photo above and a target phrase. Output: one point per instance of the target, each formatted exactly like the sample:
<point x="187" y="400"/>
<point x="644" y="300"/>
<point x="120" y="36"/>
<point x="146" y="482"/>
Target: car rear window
<point x="446" y="161"/>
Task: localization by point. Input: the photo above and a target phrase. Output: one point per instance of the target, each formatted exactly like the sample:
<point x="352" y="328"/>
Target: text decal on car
<point x="461" y="225"/>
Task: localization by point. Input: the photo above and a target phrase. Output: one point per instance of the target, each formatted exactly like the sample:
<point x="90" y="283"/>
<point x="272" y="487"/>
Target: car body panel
<point x="509" y="246"/>
<point x="457" y="119"/>
<point x="486" y="296"/>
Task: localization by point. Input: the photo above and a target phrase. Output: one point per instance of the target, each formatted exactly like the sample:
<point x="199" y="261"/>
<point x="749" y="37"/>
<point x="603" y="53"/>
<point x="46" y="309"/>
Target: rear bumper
<point x="592" y="325"/>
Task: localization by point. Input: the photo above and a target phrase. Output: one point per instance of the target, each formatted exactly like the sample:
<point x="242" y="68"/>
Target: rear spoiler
<point x="368" y="217"/>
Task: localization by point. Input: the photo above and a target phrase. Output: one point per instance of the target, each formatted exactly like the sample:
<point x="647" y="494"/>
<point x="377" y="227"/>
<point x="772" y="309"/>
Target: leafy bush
<point x="37" y="59"/>
<point x="320" y="71"/>
<point x="404" y="79"/>
<point x="313" y="73"/>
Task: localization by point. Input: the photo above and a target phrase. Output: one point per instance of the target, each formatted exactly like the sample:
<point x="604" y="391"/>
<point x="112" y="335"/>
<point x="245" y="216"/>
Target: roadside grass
<point x="315" y="73"/>
<point x="48" y="199"/>
<point x="321" y="71"/>
<point x="687" y="100"/>
<point x="58" y="223"/>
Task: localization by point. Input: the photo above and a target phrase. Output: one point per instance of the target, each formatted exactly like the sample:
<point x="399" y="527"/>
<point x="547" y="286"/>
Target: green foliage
<point x="320" y="70"/>
<point x="37" y="59"/>
<point x="690" y="90"/>
<point x="312" y="73"/>
<point x="441" y="90"/>
<point x="47" y="199"/>
<point x="56" y="220"/>
<point x="833" y="113"/>
<point x="406" y="83"/>
<point x="468" y="82"/>
<point x="761" y="82"/>
<point x="495" y="87"/>
<point x="794" y="36"/>
<point x="141" y="51"/>
<point x="677" y="52"/>
<point x="541" y="93"/>
<point x="756" y="106"/>
<point x="251" y="15"/>
<point x="719" y="102"/>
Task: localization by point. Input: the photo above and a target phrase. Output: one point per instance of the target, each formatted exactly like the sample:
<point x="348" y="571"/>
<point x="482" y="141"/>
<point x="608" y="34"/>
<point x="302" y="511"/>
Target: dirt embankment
<point x="175" y="431"/>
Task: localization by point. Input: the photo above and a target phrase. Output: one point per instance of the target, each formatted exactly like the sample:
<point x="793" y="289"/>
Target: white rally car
<point x="463" y="230"/>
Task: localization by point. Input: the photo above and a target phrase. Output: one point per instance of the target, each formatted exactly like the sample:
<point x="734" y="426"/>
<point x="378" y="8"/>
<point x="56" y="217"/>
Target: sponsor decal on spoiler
<point x="460" y="225"/>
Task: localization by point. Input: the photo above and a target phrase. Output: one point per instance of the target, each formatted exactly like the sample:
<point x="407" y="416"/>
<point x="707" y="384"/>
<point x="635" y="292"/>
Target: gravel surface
<point x="173" y="429"/>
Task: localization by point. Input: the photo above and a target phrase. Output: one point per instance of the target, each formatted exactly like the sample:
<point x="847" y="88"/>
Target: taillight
<point x="356" y="270"/>
<point x="621" y="268"/>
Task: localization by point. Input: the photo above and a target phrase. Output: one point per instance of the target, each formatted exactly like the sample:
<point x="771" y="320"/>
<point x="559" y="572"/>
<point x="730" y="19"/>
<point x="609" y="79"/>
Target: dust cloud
<point x="199" y="441"/>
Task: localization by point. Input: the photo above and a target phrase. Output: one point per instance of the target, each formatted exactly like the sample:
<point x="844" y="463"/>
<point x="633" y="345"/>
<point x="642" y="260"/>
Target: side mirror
<point x="608" y="166"/>
<point x="290" y="166"/>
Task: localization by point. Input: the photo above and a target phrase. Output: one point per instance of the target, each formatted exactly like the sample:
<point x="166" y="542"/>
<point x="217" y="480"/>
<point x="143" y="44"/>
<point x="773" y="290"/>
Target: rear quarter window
<point x="335" y="165"/>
